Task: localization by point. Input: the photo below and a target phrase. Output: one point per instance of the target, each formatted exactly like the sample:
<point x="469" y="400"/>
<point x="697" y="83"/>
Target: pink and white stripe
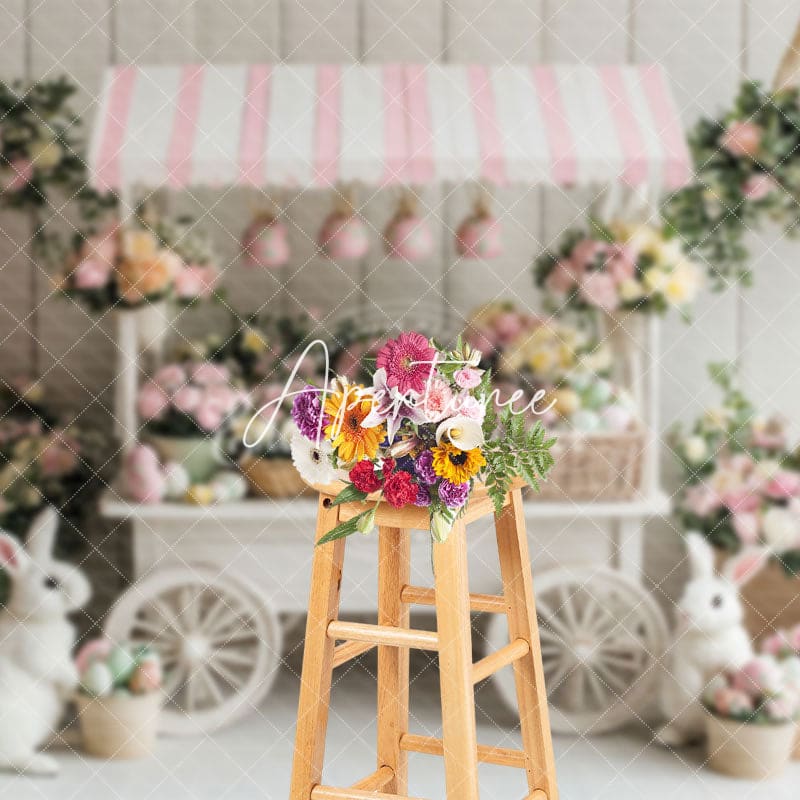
<point x="315" y="125"/>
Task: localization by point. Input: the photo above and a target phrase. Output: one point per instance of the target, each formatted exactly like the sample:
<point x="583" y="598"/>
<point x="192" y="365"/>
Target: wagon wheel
<point x="219" y="642"/>
<point x="602" y="635"/>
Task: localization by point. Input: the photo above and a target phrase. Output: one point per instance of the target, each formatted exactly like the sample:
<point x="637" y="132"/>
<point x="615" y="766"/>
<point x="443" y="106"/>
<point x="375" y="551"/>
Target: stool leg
<point x="394" y="572"/>
<point x="515" y="566"/>
<point x="455" y="666"/>
<point x="315" y="681"/>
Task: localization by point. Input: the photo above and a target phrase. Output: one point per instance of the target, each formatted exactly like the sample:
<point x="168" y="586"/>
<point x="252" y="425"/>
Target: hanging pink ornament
<point x="265" y="242"/>
<point x="408" y="236"/>
<point x="480" y="235"/>
<point x="343" y="235"/>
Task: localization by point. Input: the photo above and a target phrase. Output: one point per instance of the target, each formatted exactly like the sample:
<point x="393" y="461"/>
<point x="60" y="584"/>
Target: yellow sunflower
<point x="346" y="411"/>
<point x="457" y="466"/>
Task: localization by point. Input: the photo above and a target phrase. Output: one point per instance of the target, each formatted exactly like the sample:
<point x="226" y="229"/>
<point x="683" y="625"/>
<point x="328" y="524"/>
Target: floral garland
<point x="746" y="171"/>
<point x="742" y="481"/>
<point x="422" y="434"/>
<point x="616" y="267"/>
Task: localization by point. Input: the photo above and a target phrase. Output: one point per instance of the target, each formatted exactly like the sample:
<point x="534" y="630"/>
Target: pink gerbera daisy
<point x="408" y="361"/>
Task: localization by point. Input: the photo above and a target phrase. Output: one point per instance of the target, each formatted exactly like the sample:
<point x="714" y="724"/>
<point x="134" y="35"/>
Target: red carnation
<point x="387" y="467"/>
<point x="399" y="489"/>
<point x="364" y="478"/>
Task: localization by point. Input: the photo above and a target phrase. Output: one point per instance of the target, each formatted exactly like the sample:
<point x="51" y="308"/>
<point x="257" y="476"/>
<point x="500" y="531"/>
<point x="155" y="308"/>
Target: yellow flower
<point x="457" y="466"/>
<point x="254" y="341"/>
<point x="347" y="409"/>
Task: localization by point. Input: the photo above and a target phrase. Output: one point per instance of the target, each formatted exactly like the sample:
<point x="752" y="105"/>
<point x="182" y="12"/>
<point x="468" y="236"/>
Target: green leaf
<point x="344" y="528"/>
<point x="348" y="495"/>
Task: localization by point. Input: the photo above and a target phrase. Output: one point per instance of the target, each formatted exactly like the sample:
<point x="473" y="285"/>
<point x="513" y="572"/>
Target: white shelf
<point x="305" y="508"/>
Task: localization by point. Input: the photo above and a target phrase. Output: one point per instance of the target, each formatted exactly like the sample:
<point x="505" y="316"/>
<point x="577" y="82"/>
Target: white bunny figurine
<point x="37" y="673"/>
<point x="710" y="636"/>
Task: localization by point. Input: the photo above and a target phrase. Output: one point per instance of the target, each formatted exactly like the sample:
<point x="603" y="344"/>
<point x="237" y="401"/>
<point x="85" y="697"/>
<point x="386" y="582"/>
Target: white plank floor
<point x="252" y="760"/>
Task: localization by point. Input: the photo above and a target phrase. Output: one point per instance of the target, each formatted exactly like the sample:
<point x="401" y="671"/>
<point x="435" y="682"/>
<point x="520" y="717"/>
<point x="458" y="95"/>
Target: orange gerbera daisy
<point x="346" y="410"/>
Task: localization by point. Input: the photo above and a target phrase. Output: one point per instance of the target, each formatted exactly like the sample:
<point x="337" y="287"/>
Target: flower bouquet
<point x="742" y="481"/>
<point x="618" y="267"/>
<point x="119" y="698"/>
<point x="160" y="260"/>
<point x="751" y="726"/>
<point x="184" y="407"/>
<point x="424" y="433"/>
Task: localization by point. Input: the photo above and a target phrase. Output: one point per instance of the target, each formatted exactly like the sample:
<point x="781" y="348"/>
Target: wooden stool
<point x="453" y="641"/>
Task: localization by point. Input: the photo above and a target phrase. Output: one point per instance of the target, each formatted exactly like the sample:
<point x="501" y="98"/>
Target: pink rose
<point x="758" y="186"/>
<point x="57" y="459"/>
<point x="195" y="282"/>
<point x="598" y="289"/>
<point x="728" y="701"/>
<point x="761" y="675"/>
<point x="621" y="265"/>
<point x="92" y="273"/>
<point x="208" y="416"/>
<point x="507" y="325"/>
<point x="585" y="253"/>
<point x="742" y="138"/>
<point x="776" y="644"/>
<point x="436" y="401"/>
<point x="701" y="499"/>
<point x="468" y="406"/>
<point x="747" y="527"/>
<point x="222" y="397"/>
<point x="152" y="401"/>
<point x="170" y="377"/>
<point x="16" y="175"/>
<point x="784" y="484"/>
<point x="209" y="373"/>
<point x="187" y="399"/>
<point x="563" y="277"/>
<point x="794" y="639"/>
<point x="468" y="377"/>
<point x="742" y="500"/>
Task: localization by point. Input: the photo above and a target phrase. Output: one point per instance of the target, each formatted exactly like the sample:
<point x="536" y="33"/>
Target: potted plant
<point x="119" y="699"/>
<point x="184" y="407"/>
<point x="785" y="645"/>
<point x="751" y="725"/>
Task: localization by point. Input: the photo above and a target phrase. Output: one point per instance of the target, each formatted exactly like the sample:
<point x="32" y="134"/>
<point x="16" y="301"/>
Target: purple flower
<point x="453" y="495"/>
<point x="423" y="466"/>
<point x="423" y="497"/>
<point x="307" y="411"/>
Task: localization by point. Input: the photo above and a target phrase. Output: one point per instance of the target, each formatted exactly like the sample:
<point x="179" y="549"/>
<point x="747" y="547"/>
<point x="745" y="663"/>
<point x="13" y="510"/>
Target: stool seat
<point x="393" y="637"/>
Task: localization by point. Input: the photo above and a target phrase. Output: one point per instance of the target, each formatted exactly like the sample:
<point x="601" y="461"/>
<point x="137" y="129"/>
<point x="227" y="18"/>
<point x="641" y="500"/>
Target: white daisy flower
<point x="313" y="463"/>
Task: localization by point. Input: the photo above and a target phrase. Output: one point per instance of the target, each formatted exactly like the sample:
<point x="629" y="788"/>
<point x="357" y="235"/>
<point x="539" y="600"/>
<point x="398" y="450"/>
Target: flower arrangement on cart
<point x="424" y="433"/>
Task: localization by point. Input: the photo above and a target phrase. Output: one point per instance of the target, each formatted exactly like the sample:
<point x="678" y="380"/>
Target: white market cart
<point x="213" y="580"/>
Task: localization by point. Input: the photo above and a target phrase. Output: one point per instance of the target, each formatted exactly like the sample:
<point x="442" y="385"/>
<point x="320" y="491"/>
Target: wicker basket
<point x="597" y="466"/>
<point x="274" y="477"/>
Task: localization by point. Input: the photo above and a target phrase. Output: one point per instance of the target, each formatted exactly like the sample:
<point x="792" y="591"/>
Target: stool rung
<point x="334" y="793"/>
<point x="383" y="635"/>
<point x="432" y="746"/>
<point x="348" y="651"/>
<point x="494" y="662"/>
<point x="487" y="603"/>
<point x="377" y="781"/>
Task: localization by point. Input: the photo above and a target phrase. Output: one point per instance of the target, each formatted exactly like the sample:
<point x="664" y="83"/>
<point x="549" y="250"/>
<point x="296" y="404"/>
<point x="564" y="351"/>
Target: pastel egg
<point x="598" y="394"/>
<point x="95" y="650"/>
<point x="228" y="486"/>
<point x="121" y="663"/>
<point x="585" y="421"/>
<point x="567" y="402"/>
<point x="97" y="679"/>
<point x="146" y="677"/>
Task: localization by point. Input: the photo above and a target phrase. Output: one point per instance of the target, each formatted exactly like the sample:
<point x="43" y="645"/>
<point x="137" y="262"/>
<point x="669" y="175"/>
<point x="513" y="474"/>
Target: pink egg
<point x="408" y="236"/>
<point x="147" y="677"/>
<point x="480" y="236"/>
<point x="265" y="242"/>
<point x="95" y="650"/>
<point x="343" y="236"/>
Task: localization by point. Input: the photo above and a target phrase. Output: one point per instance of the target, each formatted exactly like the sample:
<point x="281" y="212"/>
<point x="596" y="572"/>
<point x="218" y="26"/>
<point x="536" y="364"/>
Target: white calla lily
<point x="463" y="432"/>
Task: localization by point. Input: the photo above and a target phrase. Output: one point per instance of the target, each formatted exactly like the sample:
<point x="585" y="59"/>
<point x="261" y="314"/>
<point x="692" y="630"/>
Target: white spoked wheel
<point x="602" y="635"/>
<point x="219" y="642"/>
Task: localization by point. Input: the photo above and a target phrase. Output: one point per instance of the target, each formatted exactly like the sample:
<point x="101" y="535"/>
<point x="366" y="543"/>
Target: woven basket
<point x="598" y="466"/>
<point x="120" y="726"/>
<point x="274" y="477"/>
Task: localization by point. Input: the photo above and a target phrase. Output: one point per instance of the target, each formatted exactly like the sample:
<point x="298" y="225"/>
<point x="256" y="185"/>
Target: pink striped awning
<point x="313" y="125"/>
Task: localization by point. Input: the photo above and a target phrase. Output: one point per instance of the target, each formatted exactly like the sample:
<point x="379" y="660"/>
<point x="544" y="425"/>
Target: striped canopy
<point x="315" y="125"/>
